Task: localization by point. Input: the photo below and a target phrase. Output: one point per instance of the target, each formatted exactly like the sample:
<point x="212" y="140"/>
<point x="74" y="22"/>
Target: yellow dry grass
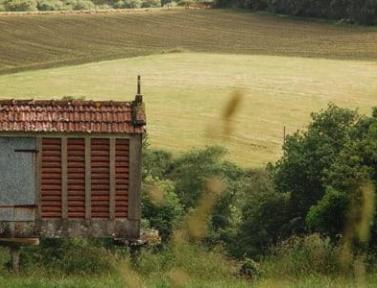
<point x="186" y="94"/>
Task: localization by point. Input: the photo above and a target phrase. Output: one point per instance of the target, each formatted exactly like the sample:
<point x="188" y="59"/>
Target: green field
<point x="186" y="92"/>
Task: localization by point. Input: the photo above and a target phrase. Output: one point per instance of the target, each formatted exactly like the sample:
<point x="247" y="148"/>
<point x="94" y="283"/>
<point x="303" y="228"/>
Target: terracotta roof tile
<point x="72" y="116"/>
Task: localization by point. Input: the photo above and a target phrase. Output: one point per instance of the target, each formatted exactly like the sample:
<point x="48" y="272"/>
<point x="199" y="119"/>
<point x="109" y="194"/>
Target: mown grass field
<point x="185" y="94"/>
<point x="284" y="68"/>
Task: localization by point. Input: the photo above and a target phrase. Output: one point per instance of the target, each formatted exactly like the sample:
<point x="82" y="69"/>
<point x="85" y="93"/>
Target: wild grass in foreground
<point x="192" y="267"/>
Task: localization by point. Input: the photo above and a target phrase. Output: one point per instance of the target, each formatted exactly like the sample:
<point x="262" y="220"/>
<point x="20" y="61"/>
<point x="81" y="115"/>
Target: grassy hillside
<point x="187" y="92"/>
<point x="28" y="42"/>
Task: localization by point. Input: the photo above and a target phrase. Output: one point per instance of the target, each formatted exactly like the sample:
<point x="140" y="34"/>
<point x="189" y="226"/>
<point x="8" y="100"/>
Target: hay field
<point x="284" y="68"/>
<point x="186" y="93"/>
<point x="40" y="41"/>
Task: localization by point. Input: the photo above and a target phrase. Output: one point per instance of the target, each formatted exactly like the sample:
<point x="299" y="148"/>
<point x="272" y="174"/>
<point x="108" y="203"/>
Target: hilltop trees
<point x="308" y="156"/>
<point x="360" y="11"/>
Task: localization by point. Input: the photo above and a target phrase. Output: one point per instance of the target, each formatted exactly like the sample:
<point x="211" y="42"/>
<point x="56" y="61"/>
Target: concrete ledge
<point x="60" y="228"/>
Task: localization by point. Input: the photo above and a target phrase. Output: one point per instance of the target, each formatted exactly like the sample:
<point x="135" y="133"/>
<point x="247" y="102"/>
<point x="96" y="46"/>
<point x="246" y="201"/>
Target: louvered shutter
<point x="76" y="177"/>
<point x="100" y="162"/>
<point x="51" y="178"/>
<point x="121" y="178"/>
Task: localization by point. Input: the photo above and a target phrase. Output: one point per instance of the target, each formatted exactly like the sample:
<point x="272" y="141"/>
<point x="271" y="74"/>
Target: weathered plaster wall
<point x="17" y="178"/>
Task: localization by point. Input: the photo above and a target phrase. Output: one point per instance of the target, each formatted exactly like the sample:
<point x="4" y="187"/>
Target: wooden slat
<point x="76" y="177"/>
<point x="64" y="179"/>
<point x="100" y="177"/>
<point x="121" y="181"/>
<point x="112" y="179"/>
<point x="50" y="185"/>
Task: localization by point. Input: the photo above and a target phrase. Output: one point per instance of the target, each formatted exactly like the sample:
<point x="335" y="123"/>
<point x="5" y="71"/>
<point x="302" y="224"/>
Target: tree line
<point x="354" y="11"/>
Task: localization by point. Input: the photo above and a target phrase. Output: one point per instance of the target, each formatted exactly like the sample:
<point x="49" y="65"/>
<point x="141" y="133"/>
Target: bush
<point x="250" y="268"/>
<point x="307" y="255"/>
<point x="20" y="5"/>
<point x="161" y="206"/>
<point x="132" y="3"/>
<point x="104" y="7"/>
<point x="50" y="5"/>
<point x="118" y="4"/>
<point x="150" y="3"/>
<point x="69" y="256"/>
<point x="156" y="163"/>
<point x="83" y="5"/>
<point x="2" y="7"/>
<point x="78" y="5"/>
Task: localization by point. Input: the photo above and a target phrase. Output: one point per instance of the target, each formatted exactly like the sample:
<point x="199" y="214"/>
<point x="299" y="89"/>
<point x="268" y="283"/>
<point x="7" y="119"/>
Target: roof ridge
<point x="74" y="102"/>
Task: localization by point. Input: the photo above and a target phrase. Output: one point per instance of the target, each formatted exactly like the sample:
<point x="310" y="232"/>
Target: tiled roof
<point x="72" y="116"/>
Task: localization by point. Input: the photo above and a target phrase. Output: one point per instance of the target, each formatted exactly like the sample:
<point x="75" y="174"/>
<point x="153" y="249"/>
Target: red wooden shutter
<point x="51" y="178"/>
<point x="76" y="177"/>
<point x="100" y="170"/>
<point x="121" y="178"/>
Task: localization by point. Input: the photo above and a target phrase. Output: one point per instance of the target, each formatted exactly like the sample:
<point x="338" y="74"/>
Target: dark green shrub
<point x="363" y="11"/>
<point x="118" y="4"/>
<point x="20" y="5"/>
<point x="50" y="5"/>
<point x="192" y="169"/>
<point x="260" y="228"/>
<point x="161" y="205"/>
<point x="157" y="163"/>
<point x="132" y="3"/>
<point x="83" y="5"/>
<point x="78" y="5"/>
<point x="250" y="268"/>
<point x="150" y="3"/>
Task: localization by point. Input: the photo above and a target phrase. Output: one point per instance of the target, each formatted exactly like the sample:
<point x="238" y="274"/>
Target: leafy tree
<point x="191" y="170"/>
<point x="302" y="171"/>
<point x="264" y="217"/>
<point x="161" y="206"/>
<point x="355" y="165"/>
<point x="21" y="5"/>
<point x="157" y="163"/>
